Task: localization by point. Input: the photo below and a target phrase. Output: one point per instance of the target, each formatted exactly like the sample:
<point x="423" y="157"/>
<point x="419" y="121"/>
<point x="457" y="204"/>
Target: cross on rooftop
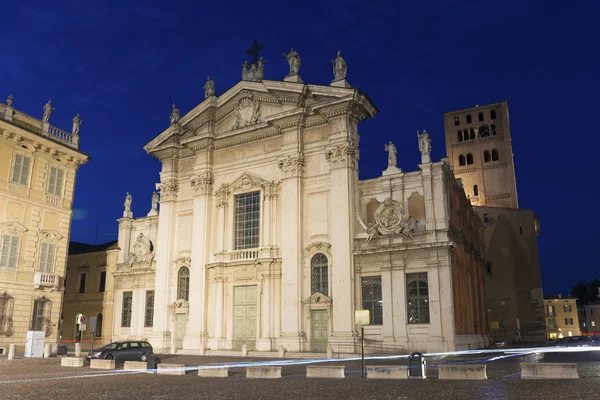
<point x="254" y="51"/>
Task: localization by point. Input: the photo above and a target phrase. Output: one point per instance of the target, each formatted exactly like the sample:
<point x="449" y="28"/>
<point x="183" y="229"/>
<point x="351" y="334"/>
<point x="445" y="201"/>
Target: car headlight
<point x="96" y="354"/>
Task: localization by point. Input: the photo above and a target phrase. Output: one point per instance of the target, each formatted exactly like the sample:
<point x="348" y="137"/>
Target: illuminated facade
<point x="562" y="319"/>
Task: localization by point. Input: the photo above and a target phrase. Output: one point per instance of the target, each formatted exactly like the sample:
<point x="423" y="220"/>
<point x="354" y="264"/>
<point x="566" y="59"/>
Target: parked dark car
<point x="131" y="350"/>
<point x="576" y="341"/>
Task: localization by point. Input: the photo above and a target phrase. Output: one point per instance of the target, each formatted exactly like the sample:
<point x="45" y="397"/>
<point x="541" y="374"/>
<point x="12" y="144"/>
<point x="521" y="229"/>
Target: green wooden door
<point x="180" y="325"/>
<point x="320" y="332"/>
<point x="244" y="314"/>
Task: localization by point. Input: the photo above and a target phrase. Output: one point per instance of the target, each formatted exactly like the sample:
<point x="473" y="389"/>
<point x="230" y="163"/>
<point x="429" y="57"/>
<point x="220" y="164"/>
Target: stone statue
<point x="127" y="213"/>
<point x="174" y="115"/>
<point x="293" y="59"/>
<point x="246" y="73"/>
<point x="209" y="88"/>
<point x="260" y="73"/>
<point x="76" y="124"/>
<point x="391" y="149"/>
<point x="424" y="142"/>
<point x="372" y="231"/>
<point x="409" y="227"/>
<point x="9" y="100"/>
<point x="155" y="201"/>
<point x="339" y="67"/>
<point x="48" y="111"/>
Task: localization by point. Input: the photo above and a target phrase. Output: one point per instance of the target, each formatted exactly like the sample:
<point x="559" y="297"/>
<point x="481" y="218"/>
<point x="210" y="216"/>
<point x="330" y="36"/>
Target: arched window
<point x="486" y="156"/>
<point x="469" y="159"/>
<point x="495" y="155"/>
<point x="493" y="130"/>
<point x="472" y="133"/>
<point x="459" y="135"/>
<point x="461" y="160"/>
<point x="98" y="332"/>
<point x="475" y="190"/>
<point x="465" y="135"/>
<point x="318" y="265"/>
<point x="484" y="131"/>
<point x="183" y="284"/>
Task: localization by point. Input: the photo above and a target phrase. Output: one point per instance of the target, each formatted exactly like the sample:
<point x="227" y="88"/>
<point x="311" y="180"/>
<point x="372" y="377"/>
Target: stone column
<point x="399" y="319"/>
<point x="291" y="252"/>
<point x="124" y="239"/>
<point x="161" y="335"/>
<point x="222" y="198"/>
<point x="342" y="159"/>
<point x="196" y="333"/>
<point x="264" y="343"/>
<point x="266" y="221"/>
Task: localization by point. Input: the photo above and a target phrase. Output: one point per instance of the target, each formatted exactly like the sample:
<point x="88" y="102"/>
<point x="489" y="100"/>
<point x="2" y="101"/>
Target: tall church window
<point x="417" y="298"/>
<point x="466" y="134"/>
<point x="475" y="190"/>
<point x="461" y="160"/>
<point x="247" y="221"/>
<point x="472" y="133"/>
<point x="21" y="167"/>
<point x="372" y="299"/>
<point x="486" y="156"/>
<point x="98" y="332"/>
<point x="149" y="315"/>
<point x="320" y="277"/>
<point x="8" y="252"/>
<point x="459" y="135"/>
<point x="469" y="159"/>
<point x="126" y="309"/>
<point x="183" y="284"/>
<point x="495" y="155"/>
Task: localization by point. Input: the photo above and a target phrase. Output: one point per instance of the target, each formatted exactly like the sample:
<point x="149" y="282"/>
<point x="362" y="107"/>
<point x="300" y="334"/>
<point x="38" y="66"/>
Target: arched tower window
<point x="486" y="156"/>
<point x="459" y="135"/>
<point x="98" y="332"/>
<point x="461" y="160"/>
<point x="495" y="155"/>
<point x="320" y="277"/>
<point x="466" y="134"/>
<point x="183" y="284"/>
<point x="469" y="159"/>
<point x="472" y="133"/>
<point x="493" y="130"/>
<point x="475" y="190"/>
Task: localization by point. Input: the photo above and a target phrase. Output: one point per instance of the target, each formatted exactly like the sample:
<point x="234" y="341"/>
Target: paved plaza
<point x="45" y="378"/>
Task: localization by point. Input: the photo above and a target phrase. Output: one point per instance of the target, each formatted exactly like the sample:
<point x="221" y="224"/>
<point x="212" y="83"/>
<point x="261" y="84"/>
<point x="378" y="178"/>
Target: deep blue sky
<point x="121" y="65"/>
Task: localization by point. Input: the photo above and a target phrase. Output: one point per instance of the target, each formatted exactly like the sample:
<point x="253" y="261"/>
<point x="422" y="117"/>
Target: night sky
<point x="122" y="66"/>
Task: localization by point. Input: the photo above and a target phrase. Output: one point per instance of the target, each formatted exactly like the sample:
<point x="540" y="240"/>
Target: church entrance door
<point x="320" y="331"/>
<point x="244" y="313"/>
<point x="180" y="325"/>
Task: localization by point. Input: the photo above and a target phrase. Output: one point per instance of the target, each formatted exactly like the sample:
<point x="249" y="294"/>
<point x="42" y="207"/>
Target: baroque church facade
<point x="266" y="237"/>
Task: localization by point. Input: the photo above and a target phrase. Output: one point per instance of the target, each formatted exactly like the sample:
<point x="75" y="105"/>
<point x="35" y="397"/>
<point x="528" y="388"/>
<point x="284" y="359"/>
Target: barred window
<point x="8" y="252"/>
<point x="183" y="284"/>
<point x="319" y="274"/>
<point x="47" y="251"/>
<point x="20" y="172"/>
<point x="126" y="309"/>
<point x="417" y="294"/>
<point x="149" y="317"/>
<point x="247" y="221"/>
<point x="98" y="332"/>
<point x="38" y="318"/>
<point x="371" y="298"/>
<point x="55" y="184"/>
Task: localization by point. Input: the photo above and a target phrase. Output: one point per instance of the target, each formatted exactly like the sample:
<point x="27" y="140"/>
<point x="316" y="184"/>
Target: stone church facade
<point x="266" y="237"/>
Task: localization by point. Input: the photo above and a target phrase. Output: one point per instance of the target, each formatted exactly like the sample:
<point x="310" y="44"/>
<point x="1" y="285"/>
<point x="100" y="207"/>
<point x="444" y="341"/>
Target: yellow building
<point x="561" y="316"/>
<point x="89" y="292"/>
<point x="38" y="163"/>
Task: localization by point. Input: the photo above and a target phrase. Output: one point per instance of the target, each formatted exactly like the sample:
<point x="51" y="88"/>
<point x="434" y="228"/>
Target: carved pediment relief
<point x="318" y="246"/>
<point x="143" y="251"/>
<point x="12" y="228"/>
<point x="248" y="181"/>
<point x="180" y="305"/>
<point x="183" y="261"/>
<point x="49" y="235"/>
<point x="246" y="110"/>
<point x="318" y="298"/>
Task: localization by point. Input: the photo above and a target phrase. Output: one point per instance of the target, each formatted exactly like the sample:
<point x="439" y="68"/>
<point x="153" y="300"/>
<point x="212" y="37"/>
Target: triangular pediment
<point x="12" y="228"/>
<point x="247" y="181"/>
<point x="318" y="298"/>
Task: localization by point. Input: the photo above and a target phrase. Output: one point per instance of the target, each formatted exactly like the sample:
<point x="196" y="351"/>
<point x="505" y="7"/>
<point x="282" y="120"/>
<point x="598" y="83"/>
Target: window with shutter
<point x="20" y="173"/>
<point x="8" y="252"/>
<point x="55" y="184"/>
<point x="47" y="251"/>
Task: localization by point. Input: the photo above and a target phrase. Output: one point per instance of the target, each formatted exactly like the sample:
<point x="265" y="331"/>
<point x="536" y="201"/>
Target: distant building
<point x="479" y="147"/>
<point x="38" y="164"/>
<point x="562" y="319"/>
<point x="592" y="318"/>
<point x="89" y="292"/>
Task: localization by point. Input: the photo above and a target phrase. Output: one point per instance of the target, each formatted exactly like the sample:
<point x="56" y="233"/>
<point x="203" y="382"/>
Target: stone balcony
<point x="42" y="279"/>
<point x="34" y="125"/>
<point x="247" y="255"/>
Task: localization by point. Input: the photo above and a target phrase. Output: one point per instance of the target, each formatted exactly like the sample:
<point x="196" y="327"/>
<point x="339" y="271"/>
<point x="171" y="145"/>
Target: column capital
<point x="292" y="165"/>
<point x="168" y="190"/>
<point x="222" y="196"/>
<point x="202" y="182"/>
<point x="342" y="156"/>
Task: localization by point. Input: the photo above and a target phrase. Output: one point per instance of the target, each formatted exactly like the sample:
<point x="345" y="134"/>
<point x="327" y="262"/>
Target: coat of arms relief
<point x="390" y="219"/>
<point x="246" y="110"/>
